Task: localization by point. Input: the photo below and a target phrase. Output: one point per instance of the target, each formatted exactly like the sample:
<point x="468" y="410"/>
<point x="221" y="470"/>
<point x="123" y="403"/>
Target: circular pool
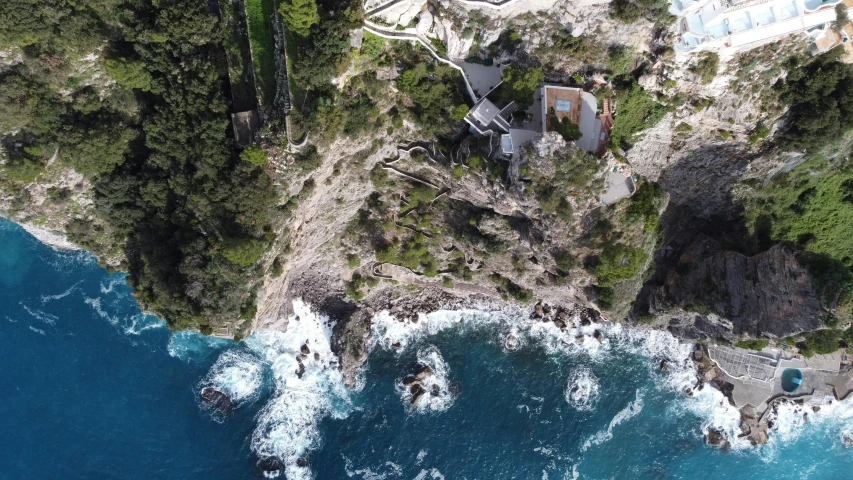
<point x="791" y="379"/>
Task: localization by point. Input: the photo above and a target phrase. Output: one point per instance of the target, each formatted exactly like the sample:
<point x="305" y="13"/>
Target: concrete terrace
<point x="756" y="376"/>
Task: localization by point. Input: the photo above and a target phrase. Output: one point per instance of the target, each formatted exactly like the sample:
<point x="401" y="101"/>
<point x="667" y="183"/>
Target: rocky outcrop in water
<point x="216" y="401"/>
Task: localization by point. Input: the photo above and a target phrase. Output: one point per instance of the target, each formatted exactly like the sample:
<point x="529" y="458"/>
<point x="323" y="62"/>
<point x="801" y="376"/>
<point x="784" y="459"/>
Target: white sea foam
<point x="238" y="374"/>
<point x="421" y="456"/>
<point x="288" y="424"/>
<point x="707" y="404"/>
<point x="432" y="473"/>
<point x="112" y="284"/>
<point x="45" y="317"/>
<point x="632" y="410"/>
<point x="36" y="330"/>
<point x="438" y="396"/>
<point x="190" y="345"/>
<point x="96" y="305"/>
<point x="791" y="421"/>
<point x="47" y="298"/>
<point x="384" y="471"/>
<point x="141" y="322"/>
<point x="582" y="391"/>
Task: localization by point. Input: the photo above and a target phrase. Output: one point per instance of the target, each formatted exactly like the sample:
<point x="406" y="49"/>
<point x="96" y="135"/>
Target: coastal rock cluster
<point x="415" y="383"/>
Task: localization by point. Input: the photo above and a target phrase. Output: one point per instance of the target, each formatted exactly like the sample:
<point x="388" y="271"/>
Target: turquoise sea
<point x="91" y="388"/>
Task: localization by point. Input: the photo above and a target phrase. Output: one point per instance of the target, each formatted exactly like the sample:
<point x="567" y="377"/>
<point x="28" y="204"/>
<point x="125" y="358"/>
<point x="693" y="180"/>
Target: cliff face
<point x="771" y="293"/>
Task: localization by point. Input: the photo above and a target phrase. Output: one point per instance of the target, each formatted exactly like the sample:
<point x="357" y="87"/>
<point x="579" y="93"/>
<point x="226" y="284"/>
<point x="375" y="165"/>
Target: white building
<point x="714" y="24"/>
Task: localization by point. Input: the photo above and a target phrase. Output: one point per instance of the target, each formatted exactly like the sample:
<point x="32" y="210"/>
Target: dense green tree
<point x="820" y="95"/>
<point x="521" y="84"/>
<point x="299" y="15"/>
<point x="129" y="73"/>
<point x="568" y="129"/>
<point x="255" y="155"/>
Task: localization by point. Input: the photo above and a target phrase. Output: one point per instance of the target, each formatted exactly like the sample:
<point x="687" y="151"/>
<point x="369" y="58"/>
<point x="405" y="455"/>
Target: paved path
<point x="618" y="187"/>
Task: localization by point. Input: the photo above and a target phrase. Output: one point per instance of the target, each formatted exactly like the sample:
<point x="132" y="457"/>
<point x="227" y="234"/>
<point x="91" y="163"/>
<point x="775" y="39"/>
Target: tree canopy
<point x="522" y="83"/>
<point x="299" y="15"/>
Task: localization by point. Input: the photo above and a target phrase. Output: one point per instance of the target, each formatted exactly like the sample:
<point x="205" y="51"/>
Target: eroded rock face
<point x="734" y="294"/>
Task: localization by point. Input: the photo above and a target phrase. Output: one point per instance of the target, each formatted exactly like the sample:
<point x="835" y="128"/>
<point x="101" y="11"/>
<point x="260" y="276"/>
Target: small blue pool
<point x="792" y="378"/>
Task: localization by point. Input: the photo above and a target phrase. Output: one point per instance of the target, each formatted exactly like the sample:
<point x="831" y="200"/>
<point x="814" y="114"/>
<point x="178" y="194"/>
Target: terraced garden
<point x="259" y="16"/>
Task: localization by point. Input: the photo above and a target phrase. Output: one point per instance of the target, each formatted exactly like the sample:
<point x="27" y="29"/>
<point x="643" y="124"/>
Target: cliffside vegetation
<point x="192" y="217"/>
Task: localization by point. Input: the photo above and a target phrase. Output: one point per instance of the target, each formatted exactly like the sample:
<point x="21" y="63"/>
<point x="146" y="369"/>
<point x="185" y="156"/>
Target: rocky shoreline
<point x="51" y="239"/>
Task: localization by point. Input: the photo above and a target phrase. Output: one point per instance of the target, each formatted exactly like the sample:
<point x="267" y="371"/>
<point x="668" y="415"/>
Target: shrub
<point x="255" y="155"/>
<point x="637" y="112"/>
<point x="23" y="169"/>
<point x="566" y="128"/>
<point x="458" y="172"/>
<point x="522" y="83"/>
<point x="618" y="262"/>
<point x="706" y="67"/>
<point x="277" y="268"/>
<point x="752" y="344"/>
<point x="243" y="251"/>
<point x="353" y="260"/>
<point x="509" y="289"/>
<point x="460" y="111"/>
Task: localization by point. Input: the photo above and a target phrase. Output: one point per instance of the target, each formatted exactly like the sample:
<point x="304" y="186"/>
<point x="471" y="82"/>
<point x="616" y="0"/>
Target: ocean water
<point x="91" y="388"/>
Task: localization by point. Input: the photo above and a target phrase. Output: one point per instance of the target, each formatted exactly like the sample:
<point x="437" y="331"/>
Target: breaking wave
<point x="582" y="391"/>
<point x="308" y="387"/>
<point x="238" y="374"/>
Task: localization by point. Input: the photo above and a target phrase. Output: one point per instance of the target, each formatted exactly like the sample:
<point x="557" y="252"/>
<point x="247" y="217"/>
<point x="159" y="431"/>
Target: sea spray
<point x="238" y="374"/>
<point x="308" y="387"/>
<point x="707" y="404"/>
<point x="582" y="391"/>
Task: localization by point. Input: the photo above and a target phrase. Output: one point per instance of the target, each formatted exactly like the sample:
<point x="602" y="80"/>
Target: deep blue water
<point x="91" y="388"/>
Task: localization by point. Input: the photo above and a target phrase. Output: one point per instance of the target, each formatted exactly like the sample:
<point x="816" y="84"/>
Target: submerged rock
<point x="664" y="365"/>
<point x="598" y="336"/>
<point x="716" y="438"/>
<point x="271" y="467"/>
<point x="423" y="371"/>
<point x="511" y="342"/>
<point x="305" y="350"/>
<point x="216" y="401"/>
<point x="847" y="440"/>
<point x="417" y="391"/>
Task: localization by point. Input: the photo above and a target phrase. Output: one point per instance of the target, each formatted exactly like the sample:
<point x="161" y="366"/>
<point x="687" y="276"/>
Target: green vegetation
<point x="358" y="282"/>
<point x="637" y="112"/>
<point x="259" y="15"/>
<point x="412" y="252"/>
<point x="645" y="204"/>
<point x="460" y="111"/>
<point x="511" y="290"/>
<point x="617" y="262"/>
<point x="129" y="73"/>
<point x="567" y="129"/>
<point x="255" y="155"/>
<point x="299" y="16"/>
<point x="353" y="260"/>
<point x="820" y="96"/>
<point x="752" y="344"/>
<point x="434" y="91"/>
<point x="191" y="217"/>
<point x="841" y="17"/>
<point x="629" y="11"/>
<point x="521" y="84"/>
<point x="822" y="342"/>
<point x="706" y="67"/>
<point x="571" y="176"/>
